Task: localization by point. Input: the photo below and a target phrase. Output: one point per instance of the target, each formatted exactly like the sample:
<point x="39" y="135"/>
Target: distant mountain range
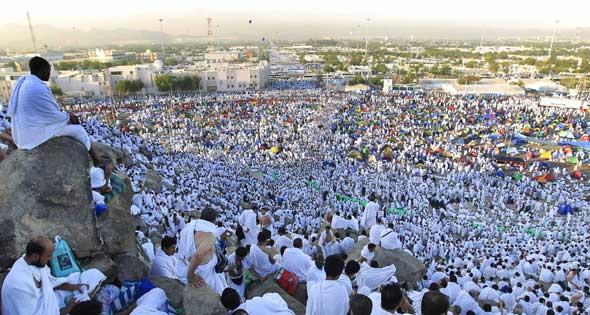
<point x="18" y="36"/>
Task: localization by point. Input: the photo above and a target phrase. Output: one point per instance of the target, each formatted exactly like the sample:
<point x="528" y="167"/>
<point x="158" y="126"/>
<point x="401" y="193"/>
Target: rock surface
<point x="130" y="268"/>
<point x="104" y="264"/>
<point x="408" y="267"/>
<point x="116" y="226"/>
<point x="153" y="181"/>
<point x="270" y="286"/>
<point x="46" y="192"/>
<point x="202" y="301"/>
<point x="117" y="156"/>
<point x="171" y="287"/>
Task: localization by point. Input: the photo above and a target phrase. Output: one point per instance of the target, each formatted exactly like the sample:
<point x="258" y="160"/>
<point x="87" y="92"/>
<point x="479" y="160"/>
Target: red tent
<point x="577" y="175"/>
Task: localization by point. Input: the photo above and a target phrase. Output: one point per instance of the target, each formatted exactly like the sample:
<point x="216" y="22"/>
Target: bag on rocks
<point x="63" y="262"/>
<point x="106" y="296"/>
<point x="287" y="281"/>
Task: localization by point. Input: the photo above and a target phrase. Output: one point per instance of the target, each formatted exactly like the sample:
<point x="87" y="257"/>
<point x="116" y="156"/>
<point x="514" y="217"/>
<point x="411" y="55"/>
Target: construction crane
<point x="32" y="33"/>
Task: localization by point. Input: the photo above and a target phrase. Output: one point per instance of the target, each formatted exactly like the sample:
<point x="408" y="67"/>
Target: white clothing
<point x="295" y="261"/>
<point x="375" y="233"/>
<point x="36" y="117"/>
<point x="373" y="278"/>
<point x="369" y="217"/>
<point x="390" y="239"/>
<point x="151" y="303"/>
<point x="268" y="304"/>
<point x="261" y="262"/>
<point x="327" y="297"/>
<point x="19" y="285"/>
<point x="248" y="222"/>
<point x="164" y="265"/>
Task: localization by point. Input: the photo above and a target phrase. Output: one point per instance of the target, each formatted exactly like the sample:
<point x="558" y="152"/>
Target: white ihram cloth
<point x="373" y="278"/>
<point x="248" y="222"/>
<point x="187" y="248"/>
<point x="295" y="261"/>
<point x="327" y="297"/>
<point x="390" y="239"/>
<point x="164" y="265"/>
<point x="36" y="117"/>
<point x="20" y="295"/>
<point x="268" y="304"/>
<point x="151" y="303"/>
<point x="369" y="217"/>
<point x="261" y="262"/>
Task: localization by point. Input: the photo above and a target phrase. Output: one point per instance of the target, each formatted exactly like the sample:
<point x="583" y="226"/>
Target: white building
<point x="227" y="77"/>
<point x="77" y="84"/>
<point x="387" y="85"/>
<point x="106" y="55"/>
<point x="7" y="81"/>
<point x="144" y="72"/>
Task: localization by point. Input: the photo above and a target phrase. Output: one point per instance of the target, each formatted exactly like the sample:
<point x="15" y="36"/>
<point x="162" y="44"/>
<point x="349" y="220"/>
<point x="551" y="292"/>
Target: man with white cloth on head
<point x="197" y="253"/>
<point x="329" y="296"/>
<point x="248" y="222"/>
<point x="152" y="303"/>
<point x="268" y="304"/>
<point x="36" y="117"/>
<point x="373" y="278"/>
<point x="29" y="288"/>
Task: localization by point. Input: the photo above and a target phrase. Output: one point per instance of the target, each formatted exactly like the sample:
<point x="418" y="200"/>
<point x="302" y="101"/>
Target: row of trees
<point x="91" y="64"/>
<point x="125" y="87"/>
<point x="166" y="83"/>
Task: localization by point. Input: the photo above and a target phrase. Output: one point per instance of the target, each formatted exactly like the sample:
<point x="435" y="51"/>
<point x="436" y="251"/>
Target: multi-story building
<point x="150" y="56"/>
<point x="79" y="84"/>
<point x="144" y="73"/>
<point x="107" y="55"/>
<point x="7" y="81"/>
<point x="226" y="77"/>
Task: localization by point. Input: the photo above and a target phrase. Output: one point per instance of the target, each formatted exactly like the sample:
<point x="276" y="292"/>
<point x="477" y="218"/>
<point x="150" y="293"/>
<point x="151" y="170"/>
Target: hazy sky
<point x="143" y="14"/>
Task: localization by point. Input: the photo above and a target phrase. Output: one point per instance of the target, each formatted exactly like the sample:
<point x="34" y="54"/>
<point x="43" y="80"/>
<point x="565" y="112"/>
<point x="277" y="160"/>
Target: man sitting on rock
<point x="165" y="263"/>
<point x="197" y="253"/>
<point x="35" y="115"/>
<point x="29" y="287"/>
<point x="262" y="258"/>
<point x="268" y="304"/>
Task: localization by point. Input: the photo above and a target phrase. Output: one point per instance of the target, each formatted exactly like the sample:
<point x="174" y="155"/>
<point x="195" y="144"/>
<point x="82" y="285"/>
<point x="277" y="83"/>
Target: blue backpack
<point x="63" y="262"/>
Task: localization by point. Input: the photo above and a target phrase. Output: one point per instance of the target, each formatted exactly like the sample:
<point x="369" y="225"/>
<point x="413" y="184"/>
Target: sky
<point x="182" y="16"/>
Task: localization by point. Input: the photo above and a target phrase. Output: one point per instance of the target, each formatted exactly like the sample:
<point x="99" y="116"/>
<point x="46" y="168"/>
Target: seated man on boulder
<point x="164" y="264"/>
<point x="35" y="114"/>
<point x="29" y="287"/>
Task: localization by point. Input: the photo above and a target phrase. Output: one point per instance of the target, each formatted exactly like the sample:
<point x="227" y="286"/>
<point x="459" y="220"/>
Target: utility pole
<point x="553" y="38"/>
<point x="367" y="40"/>
<point x="162" y="39"/>
<point x="32" y="33"/>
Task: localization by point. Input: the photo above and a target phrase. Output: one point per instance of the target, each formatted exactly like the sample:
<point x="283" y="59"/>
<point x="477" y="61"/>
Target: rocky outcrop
<point x="270" y="286"/>
<point x="202" y="301"/>
<point x="153" y="181"/>
<point x="172" y="287"/>
<point x="130" y="268"/>
<point x="46" y="192"/>
<point x="116" y="226"/>
<point x="116" y="156"/>
<point x="409" y="268"/>
<point x="104" y="264"/>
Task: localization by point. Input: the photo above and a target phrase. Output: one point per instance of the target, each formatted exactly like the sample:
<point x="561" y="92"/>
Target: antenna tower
<point x="32" y="33"/>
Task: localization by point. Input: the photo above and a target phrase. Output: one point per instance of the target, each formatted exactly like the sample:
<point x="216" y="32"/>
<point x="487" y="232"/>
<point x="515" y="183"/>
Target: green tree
<point x="171" y="62"/>
<point x="122" y="87"/>
<point x="163" y="82"/>
<point x="357" y="79"/>
<point x="493" y="67"/>
<point x="55" y="90"/>
<point x="380" y="69"/>
<point x="471" y="64"/>
<point x="329" y="69"/>
<point x="195" y="82"/>
<point x="530" y="61"/>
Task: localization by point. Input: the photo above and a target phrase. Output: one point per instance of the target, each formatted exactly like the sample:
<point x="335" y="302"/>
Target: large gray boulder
<point x="104" y="264"/>
<point x="153" y="181"/>
<point x="115" y="155"/>
<point x="46" y="192"/>
<point x="116" y="226"/>
<point x="130" y="268"/>
<point x="270" y="286"/>
<point x="174" y="289"/>
<point x="202" y="301"/>
<point x="2" y="277"/>
<point x="408" y="267"/>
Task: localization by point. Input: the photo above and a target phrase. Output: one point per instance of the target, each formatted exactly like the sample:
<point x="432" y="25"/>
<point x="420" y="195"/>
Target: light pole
<point x="553" y="38"/>
<point x="162" y="39"/>
<point x="367" y="40"/>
